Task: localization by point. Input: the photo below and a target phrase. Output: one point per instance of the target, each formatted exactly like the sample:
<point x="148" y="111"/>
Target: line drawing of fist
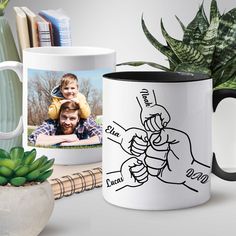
<point x="134" y="141"/>
<point x="134" y="173"/>
<point x="168" y="155"/>
<point x="154" y="118"/>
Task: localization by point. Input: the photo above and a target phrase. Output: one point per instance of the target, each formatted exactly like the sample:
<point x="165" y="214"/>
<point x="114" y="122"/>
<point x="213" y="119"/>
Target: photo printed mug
<point x="157" y="139"/>
<point x="62" y="101"/>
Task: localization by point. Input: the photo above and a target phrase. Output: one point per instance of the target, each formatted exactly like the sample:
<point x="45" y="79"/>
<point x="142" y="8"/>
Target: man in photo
<point x="68" y="130"/>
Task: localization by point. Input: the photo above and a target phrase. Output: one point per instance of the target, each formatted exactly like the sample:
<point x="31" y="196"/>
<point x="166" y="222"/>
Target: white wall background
<point x="116" y="24"/>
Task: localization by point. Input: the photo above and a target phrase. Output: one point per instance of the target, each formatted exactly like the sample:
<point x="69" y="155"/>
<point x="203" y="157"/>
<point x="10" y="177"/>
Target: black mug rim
<point x="156" y="76"/>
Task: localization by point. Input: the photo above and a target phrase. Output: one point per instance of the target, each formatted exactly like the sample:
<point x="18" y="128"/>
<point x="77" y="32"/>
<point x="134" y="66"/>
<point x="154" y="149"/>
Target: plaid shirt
<point x="86" y="128"/>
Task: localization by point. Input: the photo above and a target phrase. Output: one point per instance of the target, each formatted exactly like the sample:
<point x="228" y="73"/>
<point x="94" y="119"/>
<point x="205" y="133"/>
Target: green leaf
<point x="44" y="175"/>
<point x="165" y="50"/>
<point x="17" y="153"/>
<point x="231" y="83"/>
<point x="18" y="181"/>
<point x="29" y="157"/>
<point x="33" y="175"/>
<point x="140" y="63"/>
<point x="21" y="171"/>
<point x="4" y="154"/>
<point x="3" y="180"/>
<point x="207" y="46"/>
<point x="185" y="52"/>
<point x="185" y="67"/>
<point x="196" y="29"/>
<point x="214" y="11"/>
<point x="225" y="45"/>
<point x="47" y="165"/>
<point x="38" y="163"/>
<point x="224" y="73"/>
<point x="8" y="163"/>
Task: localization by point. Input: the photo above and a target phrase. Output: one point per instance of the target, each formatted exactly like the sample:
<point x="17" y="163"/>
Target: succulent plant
<point x="18" y="167"/>
<point x="208" y="46"/>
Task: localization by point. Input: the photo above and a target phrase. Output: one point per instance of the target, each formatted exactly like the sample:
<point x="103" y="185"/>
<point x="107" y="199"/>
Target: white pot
<point x="24" y="211"/>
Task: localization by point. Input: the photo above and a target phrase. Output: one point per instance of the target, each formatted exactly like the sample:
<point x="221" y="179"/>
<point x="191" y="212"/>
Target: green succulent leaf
<point x="21" y="171"/>
<point x="225" y="45"/>
<point x="47" y="165"/>
<point x="4" y="154"/>
<point x="224" y="73"/>
<point x="43" y="160"/>
<point x="17" y="153"/>
<point x="207" y="45"/>
<point x="29" y="157"/>
<point x="229" y="84"/>
<point x="185" y="52"/>
<point x="18" y="181"/>
<point x="42" y="177"/>
<point x="165" y="50"/>
<point x="185" y="67"/>
<point x="5" y="171"/>
<point x="8" y="163"/>
<point x="141" y="63"/>
<point x="33" y="175"/>
<point x="214" y="11"/>
<point x="196" y="29"/>
<point x="3" y="180"/>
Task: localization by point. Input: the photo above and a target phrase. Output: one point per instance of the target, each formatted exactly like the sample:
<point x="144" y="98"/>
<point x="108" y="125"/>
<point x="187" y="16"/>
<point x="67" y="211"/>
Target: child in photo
<point x="68" y="90"/>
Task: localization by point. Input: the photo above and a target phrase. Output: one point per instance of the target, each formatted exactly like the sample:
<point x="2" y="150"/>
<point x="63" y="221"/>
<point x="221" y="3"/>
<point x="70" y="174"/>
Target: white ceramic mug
<point x="61" y="84"/>
<point x="157" y="139"/>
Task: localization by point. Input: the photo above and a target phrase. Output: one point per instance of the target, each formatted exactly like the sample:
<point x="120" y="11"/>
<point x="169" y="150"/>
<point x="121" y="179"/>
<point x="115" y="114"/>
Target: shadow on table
<point x="53" y="230"/>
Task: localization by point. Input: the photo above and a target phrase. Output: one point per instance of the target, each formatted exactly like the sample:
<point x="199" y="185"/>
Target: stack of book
<point x="61" y="26"/>
<point x="48" y="28"/>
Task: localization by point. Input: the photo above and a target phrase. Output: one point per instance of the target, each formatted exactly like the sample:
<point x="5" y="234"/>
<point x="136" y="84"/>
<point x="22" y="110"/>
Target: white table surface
<point x="88" y="213"/>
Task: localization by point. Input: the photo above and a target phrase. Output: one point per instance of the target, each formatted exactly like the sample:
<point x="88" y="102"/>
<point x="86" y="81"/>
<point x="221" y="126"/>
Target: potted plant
<point x="26" y="198"/>
<point x="207" y="46"/>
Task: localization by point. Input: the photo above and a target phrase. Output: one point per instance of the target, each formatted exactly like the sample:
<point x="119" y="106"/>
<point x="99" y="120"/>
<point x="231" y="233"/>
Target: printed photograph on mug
<point x="64" y="108"/>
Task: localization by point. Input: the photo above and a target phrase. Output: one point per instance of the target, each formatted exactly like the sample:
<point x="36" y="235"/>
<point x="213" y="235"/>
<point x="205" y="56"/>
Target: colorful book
<point x="32" y="27"/>
<point x="22" y="29"/>
<point x="67" y="180"/>
<point x="60" y="24"/>
<point x="45" y="32"/>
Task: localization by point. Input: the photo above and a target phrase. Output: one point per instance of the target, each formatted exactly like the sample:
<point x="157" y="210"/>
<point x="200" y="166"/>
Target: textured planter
<point x="24" y="211"/>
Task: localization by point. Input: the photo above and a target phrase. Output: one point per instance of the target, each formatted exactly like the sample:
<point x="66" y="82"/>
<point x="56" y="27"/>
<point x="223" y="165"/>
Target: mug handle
<point x="218" y="96"/>
<point x="17" y="67"/>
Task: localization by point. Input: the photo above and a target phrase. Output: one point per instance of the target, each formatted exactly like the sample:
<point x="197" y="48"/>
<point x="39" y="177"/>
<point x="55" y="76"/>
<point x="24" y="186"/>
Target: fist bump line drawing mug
<point x="62" y="101"/>
<point x="157" y="139"/>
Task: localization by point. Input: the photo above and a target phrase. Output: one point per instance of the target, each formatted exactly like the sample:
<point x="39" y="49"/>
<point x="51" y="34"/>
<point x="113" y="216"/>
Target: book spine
<point x="44" y="34"/>
<point x="76" y="183"/>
